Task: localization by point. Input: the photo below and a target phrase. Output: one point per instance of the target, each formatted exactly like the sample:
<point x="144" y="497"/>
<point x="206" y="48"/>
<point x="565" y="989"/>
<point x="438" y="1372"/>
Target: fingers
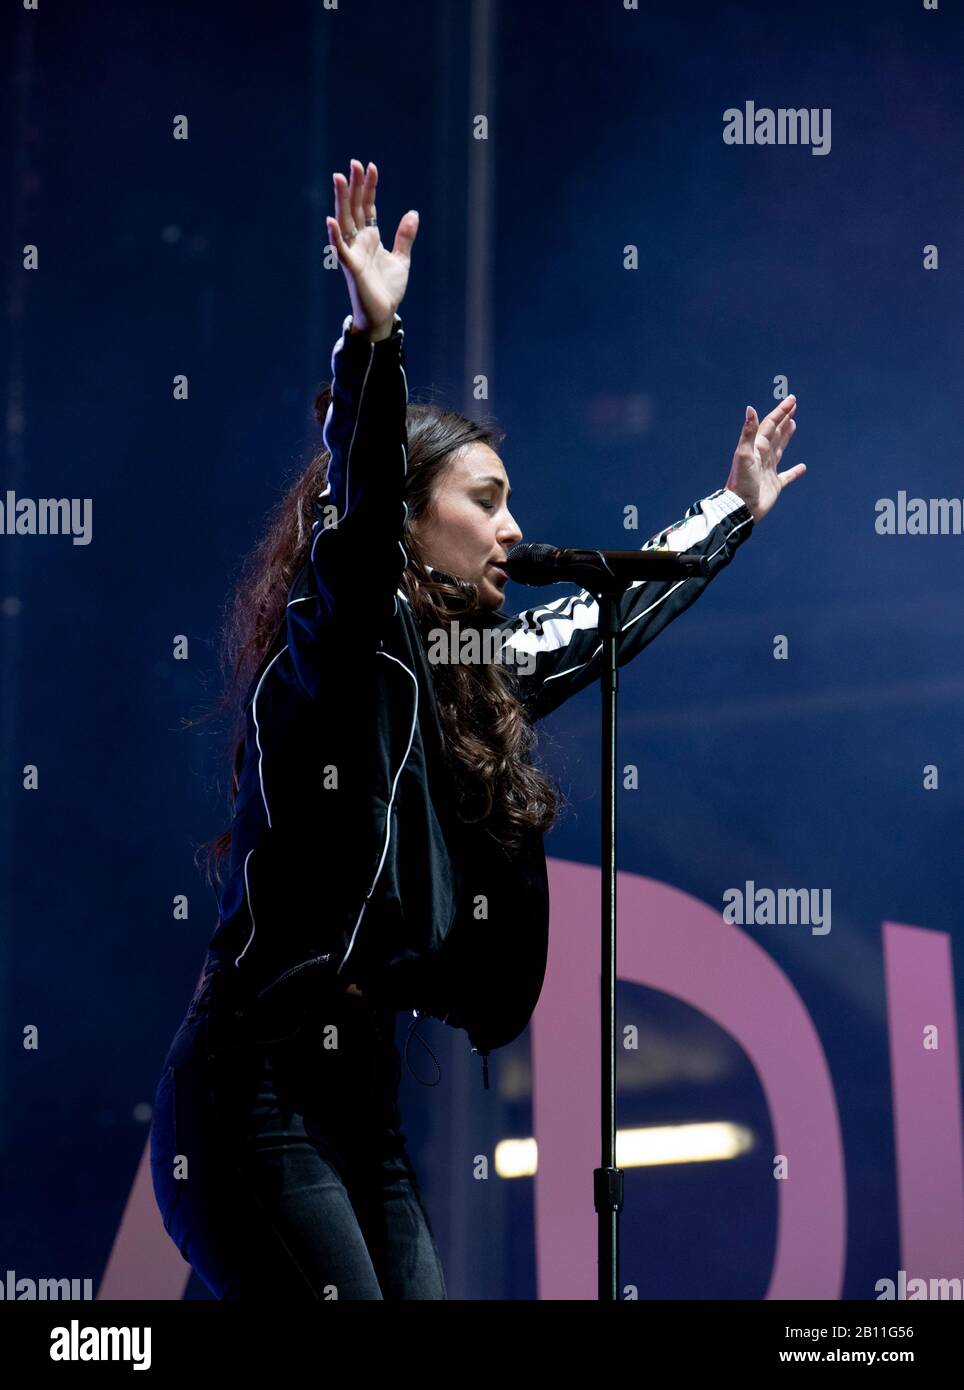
<point x="368" y="194"/>
<point x="355" y="201"/>
<point x="773" y="450"/>
<point x="784" y="433"/>
<point x="748" y="433"/>
<point x="346" y="222"/>
<point x="356" y="194"/>
<point x="769" y="438"/>
<point x="792" y="474"/>
<point x="337" y="240"/>
<point x="342" y="248"/>
<point x="777" y="417"/>
<point x="406" y="234"/>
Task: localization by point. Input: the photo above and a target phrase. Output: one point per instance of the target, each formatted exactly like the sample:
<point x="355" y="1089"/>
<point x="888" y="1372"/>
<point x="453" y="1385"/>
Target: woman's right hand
<point x="376" y="278"/>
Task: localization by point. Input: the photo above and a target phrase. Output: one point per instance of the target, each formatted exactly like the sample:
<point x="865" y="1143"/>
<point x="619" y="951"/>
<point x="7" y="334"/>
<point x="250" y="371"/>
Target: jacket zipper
<point x="314" y="960"/>
<point x="318" y="960"/>
<point x="391" y="802"/>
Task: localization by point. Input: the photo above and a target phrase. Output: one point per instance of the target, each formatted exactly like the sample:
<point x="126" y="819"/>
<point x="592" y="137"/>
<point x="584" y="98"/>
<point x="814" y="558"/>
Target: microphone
<point x="532" y="562"/>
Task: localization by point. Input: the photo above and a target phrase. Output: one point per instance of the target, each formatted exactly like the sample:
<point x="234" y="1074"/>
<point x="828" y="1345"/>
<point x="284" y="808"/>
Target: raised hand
<point x="377" y="278"/>
<point x="753" y="472"/>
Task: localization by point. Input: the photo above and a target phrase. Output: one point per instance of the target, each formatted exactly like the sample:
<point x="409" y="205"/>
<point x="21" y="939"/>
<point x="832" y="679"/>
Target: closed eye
<point x="489" y="506"/>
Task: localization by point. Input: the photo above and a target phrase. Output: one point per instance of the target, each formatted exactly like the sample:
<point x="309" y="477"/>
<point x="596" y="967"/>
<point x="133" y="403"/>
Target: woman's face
<point x="469" y="527"/>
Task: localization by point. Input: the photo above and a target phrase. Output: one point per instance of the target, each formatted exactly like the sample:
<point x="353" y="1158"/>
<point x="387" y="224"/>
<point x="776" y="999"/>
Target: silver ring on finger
<point x="371" y="221"/>
<point x="350" y="236"/>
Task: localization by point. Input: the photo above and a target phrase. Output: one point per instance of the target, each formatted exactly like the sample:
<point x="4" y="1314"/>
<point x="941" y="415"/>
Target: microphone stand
<point x="607" y="1178"/>
<point x="606" y="575"/>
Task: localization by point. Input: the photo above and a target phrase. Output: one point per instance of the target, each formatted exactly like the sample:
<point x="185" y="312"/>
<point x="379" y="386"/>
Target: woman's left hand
<point x="753" y="472"/>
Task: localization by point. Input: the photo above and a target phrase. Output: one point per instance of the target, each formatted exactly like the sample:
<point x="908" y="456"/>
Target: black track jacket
<point x="347" y="862"/>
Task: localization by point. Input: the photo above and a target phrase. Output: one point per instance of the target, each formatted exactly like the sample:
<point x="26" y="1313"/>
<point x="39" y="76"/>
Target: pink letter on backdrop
<point x="670" y="941"/>
<point x="927" y="1103"/>
<point x="144" y="1262"/>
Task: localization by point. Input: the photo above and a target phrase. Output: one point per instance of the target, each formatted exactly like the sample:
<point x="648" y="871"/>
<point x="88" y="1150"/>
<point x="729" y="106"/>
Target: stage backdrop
<point x="635" y="220"/>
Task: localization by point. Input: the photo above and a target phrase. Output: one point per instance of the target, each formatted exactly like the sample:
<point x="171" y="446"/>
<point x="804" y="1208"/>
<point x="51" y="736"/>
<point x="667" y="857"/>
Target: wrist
<point x="750" y="506"/>
<point x="374" y="335"/>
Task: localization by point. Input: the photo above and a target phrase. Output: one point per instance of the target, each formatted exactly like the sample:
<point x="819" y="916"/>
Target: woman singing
<point x="386" y="841"/>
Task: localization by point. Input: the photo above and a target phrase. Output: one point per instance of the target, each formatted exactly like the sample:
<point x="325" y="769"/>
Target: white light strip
<point x="643" y="1147"/>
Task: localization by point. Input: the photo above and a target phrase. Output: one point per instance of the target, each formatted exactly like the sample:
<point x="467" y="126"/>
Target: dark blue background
<point x="617" y="387"/>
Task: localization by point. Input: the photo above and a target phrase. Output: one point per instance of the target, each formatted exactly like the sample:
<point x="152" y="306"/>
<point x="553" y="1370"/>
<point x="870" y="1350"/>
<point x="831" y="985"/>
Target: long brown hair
<point x="488" y="739"/>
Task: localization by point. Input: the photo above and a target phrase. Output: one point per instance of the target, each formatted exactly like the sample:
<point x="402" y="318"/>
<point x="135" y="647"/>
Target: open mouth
<point x="499" y="569"/>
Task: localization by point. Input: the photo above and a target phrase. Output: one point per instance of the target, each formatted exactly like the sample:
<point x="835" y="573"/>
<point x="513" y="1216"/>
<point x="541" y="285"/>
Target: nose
<point x="510" y="533"/>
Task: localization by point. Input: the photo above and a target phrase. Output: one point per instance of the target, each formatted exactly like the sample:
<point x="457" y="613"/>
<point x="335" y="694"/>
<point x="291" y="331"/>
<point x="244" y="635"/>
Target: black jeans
<point x="279" y="1166"/>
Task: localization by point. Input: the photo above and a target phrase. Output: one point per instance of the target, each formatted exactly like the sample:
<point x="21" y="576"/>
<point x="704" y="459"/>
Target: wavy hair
<point x="488" y="739"/>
